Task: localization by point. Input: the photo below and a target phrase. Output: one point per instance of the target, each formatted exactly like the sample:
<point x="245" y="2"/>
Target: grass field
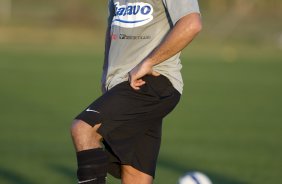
<point x="228" y="124"/>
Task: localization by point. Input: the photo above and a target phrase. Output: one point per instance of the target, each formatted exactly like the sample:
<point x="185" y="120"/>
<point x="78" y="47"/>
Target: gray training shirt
<point x="139" y="26"/>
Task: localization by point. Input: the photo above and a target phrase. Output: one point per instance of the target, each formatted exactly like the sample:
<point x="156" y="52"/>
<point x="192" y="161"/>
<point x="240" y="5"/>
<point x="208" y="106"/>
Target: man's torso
<point x="137" y="28"/>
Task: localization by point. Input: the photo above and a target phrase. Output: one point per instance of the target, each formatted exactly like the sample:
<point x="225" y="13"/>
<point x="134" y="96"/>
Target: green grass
<point x="228" y="124"/>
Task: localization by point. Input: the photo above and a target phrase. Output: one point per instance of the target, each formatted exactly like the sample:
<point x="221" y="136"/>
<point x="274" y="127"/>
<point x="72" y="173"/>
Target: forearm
<point x="177" y="39"/>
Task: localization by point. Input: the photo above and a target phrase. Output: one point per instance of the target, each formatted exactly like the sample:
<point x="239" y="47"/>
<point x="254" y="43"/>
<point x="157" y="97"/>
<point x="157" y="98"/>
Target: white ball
<point x="194" y="178"/>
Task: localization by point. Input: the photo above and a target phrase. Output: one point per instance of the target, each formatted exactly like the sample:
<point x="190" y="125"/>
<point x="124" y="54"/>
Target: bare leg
<point x="91" y="158"/>
<point x="84" y="136"/>
<point x="131" y="175"/>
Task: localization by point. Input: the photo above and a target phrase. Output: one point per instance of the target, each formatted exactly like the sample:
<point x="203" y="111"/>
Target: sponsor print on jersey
<point x="132" y="15"/>
<point x="129" y="37"/>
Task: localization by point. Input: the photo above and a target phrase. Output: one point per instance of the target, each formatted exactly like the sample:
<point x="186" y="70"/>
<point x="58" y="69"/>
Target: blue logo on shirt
<point x="132" y="15"/>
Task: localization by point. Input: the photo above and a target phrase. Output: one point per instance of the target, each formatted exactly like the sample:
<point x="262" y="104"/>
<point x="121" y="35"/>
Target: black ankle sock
<point x="92" y="166"/>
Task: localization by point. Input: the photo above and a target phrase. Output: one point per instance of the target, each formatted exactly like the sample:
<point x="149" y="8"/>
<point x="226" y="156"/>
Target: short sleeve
<point x="111" y="11"/>
<point x="179" y="8"/>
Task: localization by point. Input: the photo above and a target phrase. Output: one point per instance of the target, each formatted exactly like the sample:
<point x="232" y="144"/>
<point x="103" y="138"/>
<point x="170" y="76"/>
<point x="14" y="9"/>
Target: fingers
<point x="135" y="81"/>
<point x="136" y="84"/>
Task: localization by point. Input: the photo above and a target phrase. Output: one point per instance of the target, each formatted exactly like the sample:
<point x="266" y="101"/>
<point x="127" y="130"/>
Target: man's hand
<point x="136" y="74"/>
<point x="177" y="39"/>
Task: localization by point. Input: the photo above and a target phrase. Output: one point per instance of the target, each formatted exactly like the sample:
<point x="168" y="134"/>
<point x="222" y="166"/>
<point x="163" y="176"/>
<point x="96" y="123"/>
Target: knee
<point x="80" y="128"/>
<point x="76" y="128"/>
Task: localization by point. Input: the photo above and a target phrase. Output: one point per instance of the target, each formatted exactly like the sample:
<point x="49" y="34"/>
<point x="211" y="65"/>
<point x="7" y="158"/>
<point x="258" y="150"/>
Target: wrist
<point x="148" y="62"/>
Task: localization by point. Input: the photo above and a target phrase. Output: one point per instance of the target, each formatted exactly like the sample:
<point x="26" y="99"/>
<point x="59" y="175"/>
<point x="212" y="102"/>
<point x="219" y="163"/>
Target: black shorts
<point x="131" y="122"/>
